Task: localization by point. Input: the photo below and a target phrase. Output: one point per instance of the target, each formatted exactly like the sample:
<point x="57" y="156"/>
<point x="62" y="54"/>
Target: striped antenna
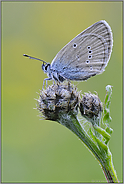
<point x="30" y="57"/>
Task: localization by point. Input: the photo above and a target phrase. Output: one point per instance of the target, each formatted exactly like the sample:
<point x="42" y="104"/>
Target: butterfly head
<point x="46" y="67"/>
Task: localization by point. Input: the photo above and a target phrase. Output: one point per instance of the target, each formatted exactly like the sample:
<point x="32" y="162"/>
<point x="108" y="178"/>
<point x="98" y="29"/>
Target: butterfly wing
<point x="87" y="54"/>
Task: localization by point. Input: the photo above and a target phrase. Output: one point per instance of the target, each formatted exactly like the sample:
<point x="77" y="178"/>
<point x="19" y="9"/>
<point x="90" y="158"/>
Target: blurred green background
<point x="36" y="150"/>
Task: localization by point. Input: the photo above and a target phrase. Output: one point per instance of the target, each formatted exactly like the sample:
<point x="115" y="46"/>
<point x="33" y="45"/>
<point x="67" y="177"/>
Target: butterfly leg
<point x="46" y="82"/>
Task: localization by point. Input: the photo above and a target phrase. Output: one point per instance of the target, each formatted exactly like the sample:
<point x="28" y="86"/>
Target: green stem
<point x="104" y="156"/>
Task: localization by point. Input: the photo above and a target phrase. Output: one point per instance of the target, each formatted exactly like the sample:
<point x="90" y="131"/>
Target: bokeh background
<point x="36" y="150"/>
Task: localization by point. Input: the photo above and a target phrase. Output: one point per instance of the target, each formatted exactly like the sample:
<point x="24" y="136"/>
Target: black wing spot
<point x="88" y="47"/>
<point x="90" y="56"/>
<point x="75" y="45"/>
<point x="87" y="61"/>
<point x="90" y="51"/>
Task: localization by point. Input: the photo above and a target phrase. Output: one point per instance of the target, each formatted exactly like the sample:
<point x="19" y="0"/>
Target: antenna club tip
<point x="25" y="55"/>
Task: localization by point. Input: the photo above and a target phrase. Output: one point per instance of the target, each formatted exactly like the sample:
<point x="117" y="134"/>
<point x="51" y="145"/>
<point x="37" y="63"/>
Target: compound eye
<point x="46" y="67"/>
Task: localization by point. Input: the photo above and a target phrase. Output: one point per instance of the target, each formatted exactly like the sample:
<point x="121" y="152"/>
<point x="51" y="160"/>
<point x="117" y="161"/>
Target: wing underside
<point x="87" y="54"/>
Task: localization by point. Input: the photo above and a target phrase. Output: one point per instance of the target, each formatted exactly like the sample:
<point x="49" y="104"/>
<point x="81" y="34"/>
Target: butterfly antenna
<point x="30" y="57"/>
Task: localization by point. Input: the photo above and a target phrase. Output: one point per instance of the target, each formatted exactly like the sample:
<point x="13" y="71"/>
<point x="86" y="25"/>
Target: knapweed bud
<point x="91" y="107"/>
<point x="57" y="98"/>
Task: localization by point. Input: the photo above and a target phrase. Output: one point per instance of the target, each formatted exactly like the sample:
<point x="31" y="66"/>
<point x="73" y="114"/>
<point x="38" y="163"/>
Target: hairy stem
<point x="104" y="157"/>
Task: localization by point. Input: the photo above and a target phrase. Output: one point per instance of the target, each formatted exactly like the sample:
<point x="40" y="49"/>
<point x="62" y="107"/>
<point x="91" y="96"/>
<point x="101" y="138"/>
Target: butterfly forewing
<point x="87" y="54"/>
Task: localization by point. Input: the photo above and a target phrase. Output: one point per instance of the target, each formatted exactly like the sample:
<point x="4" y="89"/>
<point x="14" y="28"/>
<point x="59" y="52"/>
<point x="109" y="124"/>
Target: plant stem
<point x="104" y="157"/>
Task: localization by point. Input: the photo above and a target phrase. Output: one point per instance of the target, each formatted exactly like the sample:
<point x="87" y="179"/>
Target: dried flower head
<point x="56" y="98"/>
<point x="91" y="107"/>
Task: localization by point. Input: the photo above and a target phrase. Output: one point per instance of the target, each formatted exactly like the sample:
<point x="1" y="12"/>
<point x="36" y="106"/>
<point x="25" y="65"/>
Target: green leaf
<point x="106" y="108"/>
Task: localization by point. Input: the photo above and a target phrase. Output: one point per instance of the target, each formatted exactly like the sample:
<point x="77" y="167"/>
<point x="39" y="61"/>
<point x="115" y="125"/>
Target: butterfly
<point x="84" y="56"/>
